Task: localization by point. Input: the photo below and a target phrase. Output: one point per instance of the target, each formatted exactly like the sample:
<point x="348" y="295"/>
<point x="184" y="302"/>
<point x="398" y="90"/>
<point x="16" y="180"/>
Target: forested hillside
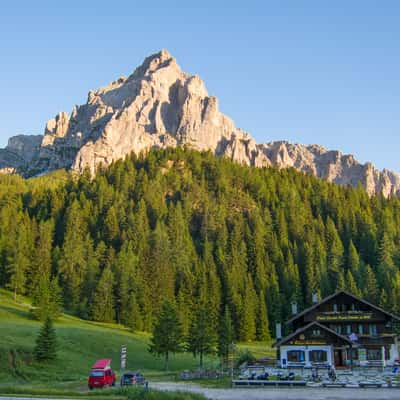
<point x="185" y="225"/>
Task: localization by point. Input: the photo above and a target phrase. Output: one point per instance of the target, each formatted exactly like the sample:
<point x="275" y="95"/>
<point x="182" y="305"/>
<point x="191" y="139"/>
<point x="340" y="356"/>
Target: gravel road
<point x="271" y="393"/>
<point x="283" y="393"/>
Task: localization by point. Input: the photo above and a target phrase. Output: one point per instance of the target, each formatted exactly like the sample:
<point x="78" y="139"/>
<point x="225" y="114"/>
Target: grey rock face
<point x="160" y="106"/>
<point x="19" y="153"/>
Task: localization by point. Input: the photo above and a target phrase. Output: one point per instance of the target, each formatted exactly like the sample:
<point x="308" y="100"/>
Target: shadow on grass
<point x="17" y="312"/>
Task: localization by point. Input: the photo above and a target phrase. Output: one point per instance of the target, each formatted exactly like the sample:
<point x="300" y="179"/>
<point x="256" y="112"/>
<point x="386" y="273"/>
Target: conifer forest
<point x="200" y="231"/>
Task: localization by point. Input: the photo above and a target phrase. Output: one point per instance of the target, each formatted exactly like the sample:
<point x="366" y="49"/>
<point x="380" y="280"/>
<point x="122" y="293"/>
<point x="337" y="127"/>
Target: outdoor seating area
<point x="360" y="377"/>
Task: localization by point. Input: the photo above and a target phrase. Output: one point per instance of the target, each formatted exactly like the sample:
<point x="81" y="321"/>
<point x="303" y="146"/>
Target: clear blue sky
<point x="320" y="71"/>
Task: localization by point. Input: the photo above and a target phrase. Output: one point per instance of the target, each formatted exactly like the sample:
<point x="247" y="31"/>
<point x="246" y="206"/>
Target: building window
<point x="337" y="328"/>
<point x="318" y="356"/>
<point x="352" y="354"/>
<point x="335" y="308"/>
<point x="360" y="329"/>
<point x="348" y="329"/>
<point x="296" y="356"/>
<point x="372" y="330"/>
<point x="316" y="332"/>
<point x="374" y="354"/>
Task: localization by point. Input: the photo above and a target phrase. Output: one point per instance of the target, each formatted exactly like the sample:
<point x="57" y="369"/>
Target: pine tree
<point x="111" y="226"/>
<point x="395" y="294"/>
<point x="46" y="343"/>
<point x="335" y="256"/>
<point x="158" y="268"/>
<point x="371" y="287"/>
<point x="167" y="333"/>
<point x="140" y="229"/>
<point x="73" y="263"/>
<point x="273" y="297"/>
<point x="47" y="299"/>
<point x="42" y="259"/>
<point x="125" y="268"/>
<point x="19" y="262"/>
<point x="103" y="302"/>
<point x="90" y="280"/>
<point x="247" y="319"/>
<point x="225" y="336"/>
<point x="310" y="281"/>
<point x="341" y="285"/>
<point x="386" y="250"/>
<point x="262" y="324"/>
<point x="351" y="285"/>
<point x="353" y="260"/>
<point x="201" y="339"/>
<point x="133" y="317"/>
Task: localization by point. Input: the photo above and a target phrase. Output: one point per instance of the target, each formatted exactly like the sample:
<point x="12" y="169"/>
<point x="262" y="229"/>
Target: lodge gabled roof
<point x="304" y="328"/>
<point x="332" y="296"/>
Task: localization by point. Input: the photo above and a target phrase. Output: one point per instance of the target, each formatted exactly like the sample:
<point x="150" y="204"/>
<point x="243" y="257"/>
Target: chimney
<point x="294" y="308"/>
<point x="315" y="298"/>
<point x="278" y="330"/>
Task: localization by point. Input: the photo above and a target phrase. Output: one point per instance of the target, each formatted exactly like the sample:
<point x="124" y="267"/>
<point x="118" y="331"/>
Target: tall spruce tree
<point x="46" y="342"/>
<point x="132" y="315"/>
<point x="73" y="261"/>
<point x="262" y="324"/>
<point x="19" y="262"/>
<point x="371" y="287"/>
<point x="335" y="256"/>
<point x="125" y="271"/>
<point x="225" y="336"/>
<point x="42" y="256"/>
<point x="103" y="301"/>
<point x="47" y="299"/>
<point x="167" y="333"/>
<point x="202" y="338"/>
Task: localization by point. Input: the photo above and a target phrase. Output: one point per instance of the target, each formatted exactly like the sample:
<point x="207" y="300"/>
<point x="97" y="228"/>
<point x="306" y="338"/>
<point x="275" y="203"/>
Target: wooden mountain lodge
<point x="342" y="330"/>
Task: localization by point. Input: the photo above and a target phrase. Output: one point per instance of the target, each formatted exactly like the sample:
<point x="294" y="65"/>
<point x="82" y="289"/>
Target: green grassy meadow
<point x="258" y="349"/>
<point x="80" y="344"/>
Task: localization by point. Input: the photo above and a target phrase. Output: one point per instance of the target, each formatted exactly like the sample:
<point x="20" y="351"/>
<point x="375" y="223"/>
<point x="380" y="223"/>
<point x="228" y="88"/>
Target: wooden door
<point x="338" y="358"/>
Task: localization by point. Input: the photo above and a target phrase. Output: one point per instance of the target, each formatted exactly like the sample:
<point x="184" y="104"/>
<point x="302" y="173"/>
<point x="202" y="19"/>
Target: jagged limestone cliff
<point x="160" y="106"/>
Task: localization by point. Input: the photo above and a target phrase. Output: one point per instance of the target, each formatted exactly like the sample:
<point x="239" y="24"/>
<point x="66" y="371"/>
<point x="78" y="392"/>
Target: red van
<point x="101" y="374"/>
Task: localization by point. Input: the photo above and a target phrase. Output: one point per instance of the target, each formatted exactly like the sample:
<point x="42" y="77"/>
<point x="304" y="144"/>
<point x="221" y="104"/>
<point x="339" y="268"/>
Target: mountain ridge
<point x="160" y="106"/>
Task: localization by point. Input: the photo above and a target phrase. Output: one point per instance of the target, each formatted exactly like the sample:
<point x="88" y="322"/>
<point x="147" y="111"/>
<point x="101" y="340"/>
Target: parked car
<point x="133" y="378"/>
<point x="101" y="374"/>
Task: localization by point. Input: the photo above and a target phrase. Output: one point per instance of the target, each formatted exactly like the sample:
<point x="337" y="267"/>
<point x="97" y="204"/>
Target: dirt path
<point x="283" y="393"/>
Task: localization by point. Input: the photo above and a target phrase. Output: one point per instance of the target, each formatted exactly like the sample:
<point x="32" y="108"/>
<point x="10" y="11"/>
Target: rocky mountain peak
<point x="155" y="62"/>
<point x="160" y="106"/>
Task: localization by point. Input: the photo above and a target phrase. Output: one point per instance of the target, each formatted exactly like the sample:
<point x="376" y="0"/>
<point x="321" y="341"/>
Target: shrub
<point x="245" y="356"/>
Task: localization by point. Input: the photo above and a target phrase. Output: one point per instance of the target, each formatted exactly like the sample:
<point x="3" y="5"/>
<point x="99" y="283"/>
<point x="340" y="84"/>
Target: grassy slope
<point x="80" y="344"/>
<point x="259" y="349"/>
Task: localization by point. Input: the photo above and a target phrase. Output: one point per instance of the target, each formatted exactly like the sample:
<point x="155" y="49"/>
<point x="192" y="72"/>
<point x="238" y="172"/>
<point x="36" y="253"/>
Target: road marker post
<point x="123" y="363"/>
